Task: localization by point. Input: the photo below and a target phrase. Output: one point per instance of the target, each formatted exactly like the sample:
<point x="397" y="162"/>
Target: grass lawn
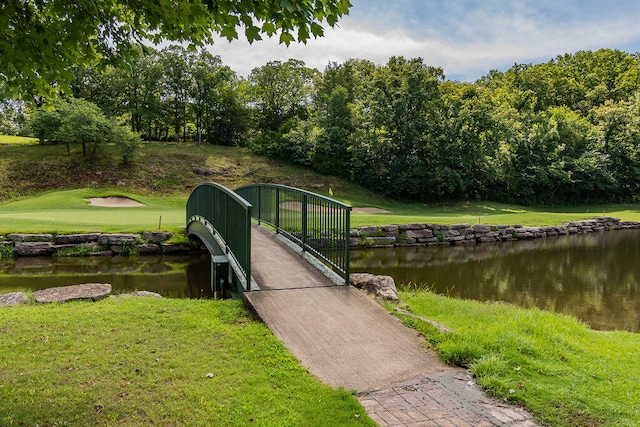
<point x="163" y="362"/>
<point x="67" y="212"/>
<point x="17" y="140"/>
<point x="558" y="368"/>
<point x="490" y="213"/>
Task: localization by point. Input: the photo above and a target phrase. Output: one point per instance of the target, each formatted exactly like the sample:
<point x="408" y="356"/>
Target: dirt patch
<point x="114" y="202"/>
<point x="370" y="210"/>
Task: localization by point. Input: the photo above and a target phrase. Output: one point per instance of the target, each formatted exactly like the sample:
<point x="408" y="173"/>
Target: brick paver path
<point x="446" y="399"/>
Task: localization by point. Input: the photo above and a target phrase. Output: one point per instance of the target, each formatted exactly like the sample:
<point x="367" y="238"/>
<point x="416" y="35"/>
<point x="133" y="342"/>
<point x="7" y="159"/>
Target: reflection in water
<point x="593" y="277"/>
<point x="171" y="276"/>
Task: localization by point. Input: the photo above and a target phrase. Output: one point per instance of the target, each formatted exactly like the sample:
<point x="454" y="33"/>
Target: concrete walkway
<point x="347" y="340"/>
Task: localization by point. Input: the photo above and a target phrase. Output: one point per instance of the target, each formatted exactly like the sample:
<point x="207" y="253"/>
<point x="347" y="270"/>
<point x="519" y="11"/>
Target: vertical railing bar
<point x="277" y="210"/>
<point x="304" y="222"/>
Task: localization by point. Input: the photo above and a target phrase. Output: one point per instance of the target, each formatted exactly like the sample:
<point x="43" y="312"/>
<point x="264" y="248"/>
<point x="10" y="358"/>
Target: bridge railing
<point x="320" y="225"/>
<point x="229" y="216"/>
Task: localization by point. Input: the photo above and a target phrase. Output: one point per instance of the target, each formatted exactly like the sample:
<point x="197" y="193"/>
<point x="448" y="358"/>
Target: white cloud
<point x="466" y="42"/>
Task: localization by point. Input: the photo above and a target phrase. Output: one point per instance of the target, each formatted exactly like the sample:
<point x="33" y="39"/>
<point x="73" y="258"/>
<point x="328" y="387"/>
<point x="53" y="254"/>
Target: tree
<point x="282" y="98"/>
<point x="82" y="122"/>
<point x="44" y="124"/>
<point x="393" y="149"/>
<point x="618" y="137"/>
<point x="42" y="40"/>
<point x="12" y="118"/>
<point x="282" y="91"/>
<point x="334" y="100"/>
<point x="127" y="142"/>
<point x="176" y="63"/>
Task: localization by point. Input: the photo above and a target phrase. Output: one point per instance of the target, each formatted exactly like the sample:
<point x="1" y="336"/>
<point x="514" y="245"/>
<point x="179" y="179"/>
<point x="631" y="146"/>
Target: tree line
<point x="564" y="131"/>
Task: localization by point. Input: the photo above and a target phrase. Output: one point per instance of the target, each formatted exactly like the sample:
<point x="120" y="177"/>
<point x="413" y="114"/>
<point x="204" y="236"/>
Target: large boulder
<point x="156" y="236"/>
<point x="12" y="298"/>
<point x="33" y="248"/>
<point x="19" y="237"/>
<point x="379" y="286"/>
<point x="74" y="239"/>
<point x="86" y="291"/>
<point x="117" y="239"/>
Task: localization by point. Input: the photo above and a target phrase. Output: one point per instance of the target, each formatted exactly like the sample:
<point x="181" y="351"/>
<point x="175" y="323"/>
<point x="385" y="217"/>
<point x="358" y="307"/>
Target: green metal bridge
<point x="223" y="220"/>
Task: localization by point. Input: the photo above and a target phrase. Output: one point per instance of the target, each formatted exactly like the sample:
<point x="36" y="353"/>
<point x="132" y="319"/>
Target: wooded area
<point x="560" y="132"/>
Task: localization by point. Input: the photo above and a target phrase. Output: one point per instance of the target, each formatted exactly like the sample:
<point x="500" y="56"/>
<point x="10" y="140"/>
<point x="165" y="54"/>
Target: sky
<point x="466" y="38"/>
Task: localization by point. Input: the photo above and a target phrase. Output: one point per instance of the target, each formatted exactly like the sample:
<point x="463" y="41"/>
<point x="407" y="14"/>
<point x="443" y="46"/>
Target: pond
<point x="175" y="276"/>
<point x="594" y="277"/>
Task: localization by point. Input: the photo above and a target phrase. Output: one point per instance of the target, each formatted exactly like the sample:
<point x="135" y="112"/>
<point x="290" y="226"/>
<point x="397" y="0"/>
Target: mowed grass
<point x="490" y="213"/>
<point x="558" y="368"/>
<point x="17" y="140"/>
<point x="68" y="211"/>
<point x="145" y="361"/>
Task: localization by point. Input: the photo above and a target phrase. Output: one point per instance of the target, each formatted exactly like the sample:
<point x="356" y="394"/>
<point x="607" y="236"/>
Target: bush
<point x="6" y="251"/>
<point x="127" y="142"/>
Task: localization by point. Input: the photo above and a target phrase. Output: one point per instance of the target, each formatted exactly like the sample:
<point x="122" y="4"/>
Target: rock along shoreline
<point x="418" y="234"/>
<point x="466" y="234"/>
<point x="95" y="244"/>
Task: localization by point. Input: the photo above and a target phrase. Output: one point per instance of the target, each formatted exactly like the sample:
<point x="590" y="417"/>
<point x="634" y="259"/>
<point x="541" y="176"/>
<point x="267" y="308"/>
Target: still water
<point x="173" y="276"/>
<point x="594" y="277"/>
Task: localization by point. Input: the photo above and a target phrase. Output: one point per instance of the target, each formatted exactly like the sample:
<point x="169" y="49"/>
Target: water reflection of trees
<point x="175" y="276"/>
<point x="593" y="277"/>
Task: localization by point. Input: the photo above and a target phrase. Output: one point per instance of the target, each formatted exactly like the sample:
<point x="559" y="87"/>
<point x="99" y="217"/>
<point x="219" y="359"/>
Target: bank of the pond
<point x="95" y="244"/>
<point x="464" y="234"/>
<point x="417" y="234"/>
<point x="555" y="366"/>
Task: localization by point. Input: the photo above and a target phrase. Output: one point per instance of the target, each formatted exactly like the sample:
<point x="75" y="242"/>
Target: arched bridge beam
<point x="222" y="220"/>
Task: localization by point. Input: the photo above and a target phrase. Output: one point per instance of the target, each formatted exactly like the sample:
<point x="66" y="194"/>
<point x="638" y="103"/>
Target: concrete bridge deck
<point x="347" y="340"/>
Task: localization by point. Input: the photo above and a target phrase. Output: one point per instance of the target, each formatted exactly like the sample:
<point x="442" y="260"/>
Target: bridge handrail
<point x="229" y="216"/>
<point x="319" y="224"/>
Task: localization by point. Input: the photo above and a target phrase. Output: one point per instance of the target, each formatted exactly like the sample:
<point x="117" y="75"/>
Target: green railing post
<point x="287" y="210"/>
<point x="304" y="222"/>
<point x="347" y="249"/>
<point x="259" y="205"/>
<point x="277" y="224"/>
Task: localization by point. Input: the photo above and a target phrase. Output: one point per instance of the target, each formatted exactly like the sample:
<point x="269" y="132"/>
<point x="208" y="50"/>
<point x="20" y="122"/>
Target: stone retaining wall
<point x="150" y="242"/>
<point x="465" y="234"/>
<point x="93" y="244"/>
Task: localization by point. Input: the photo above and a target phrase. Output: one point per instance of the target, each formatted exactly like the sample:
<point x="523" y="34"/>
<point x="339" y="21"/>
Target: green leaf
<point x="252" y="33"/>
<point x="303" y="34"/>
<point x="229" y="32"/>
<point x="286" y="38"/>
<point x="317" y="30"/>
<point x="268" y="28"/>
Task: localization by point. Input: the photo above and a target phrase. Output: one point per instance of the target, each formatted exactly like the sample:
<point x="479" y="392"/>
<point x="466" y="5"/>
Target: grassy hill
<point x="165" y="173"/>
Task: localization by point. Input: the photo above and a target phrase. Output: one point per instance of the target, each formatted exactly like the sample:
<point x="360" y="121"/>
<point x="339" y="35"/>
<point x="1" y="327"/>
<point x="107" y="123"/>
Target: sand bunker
<point x="114" y="202"/>
<point x="370" y="210"/>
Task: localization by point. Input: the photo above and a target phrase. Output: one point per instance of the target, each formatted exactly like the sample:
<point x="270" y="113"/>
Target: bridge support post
<point x="219" y="274"/>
